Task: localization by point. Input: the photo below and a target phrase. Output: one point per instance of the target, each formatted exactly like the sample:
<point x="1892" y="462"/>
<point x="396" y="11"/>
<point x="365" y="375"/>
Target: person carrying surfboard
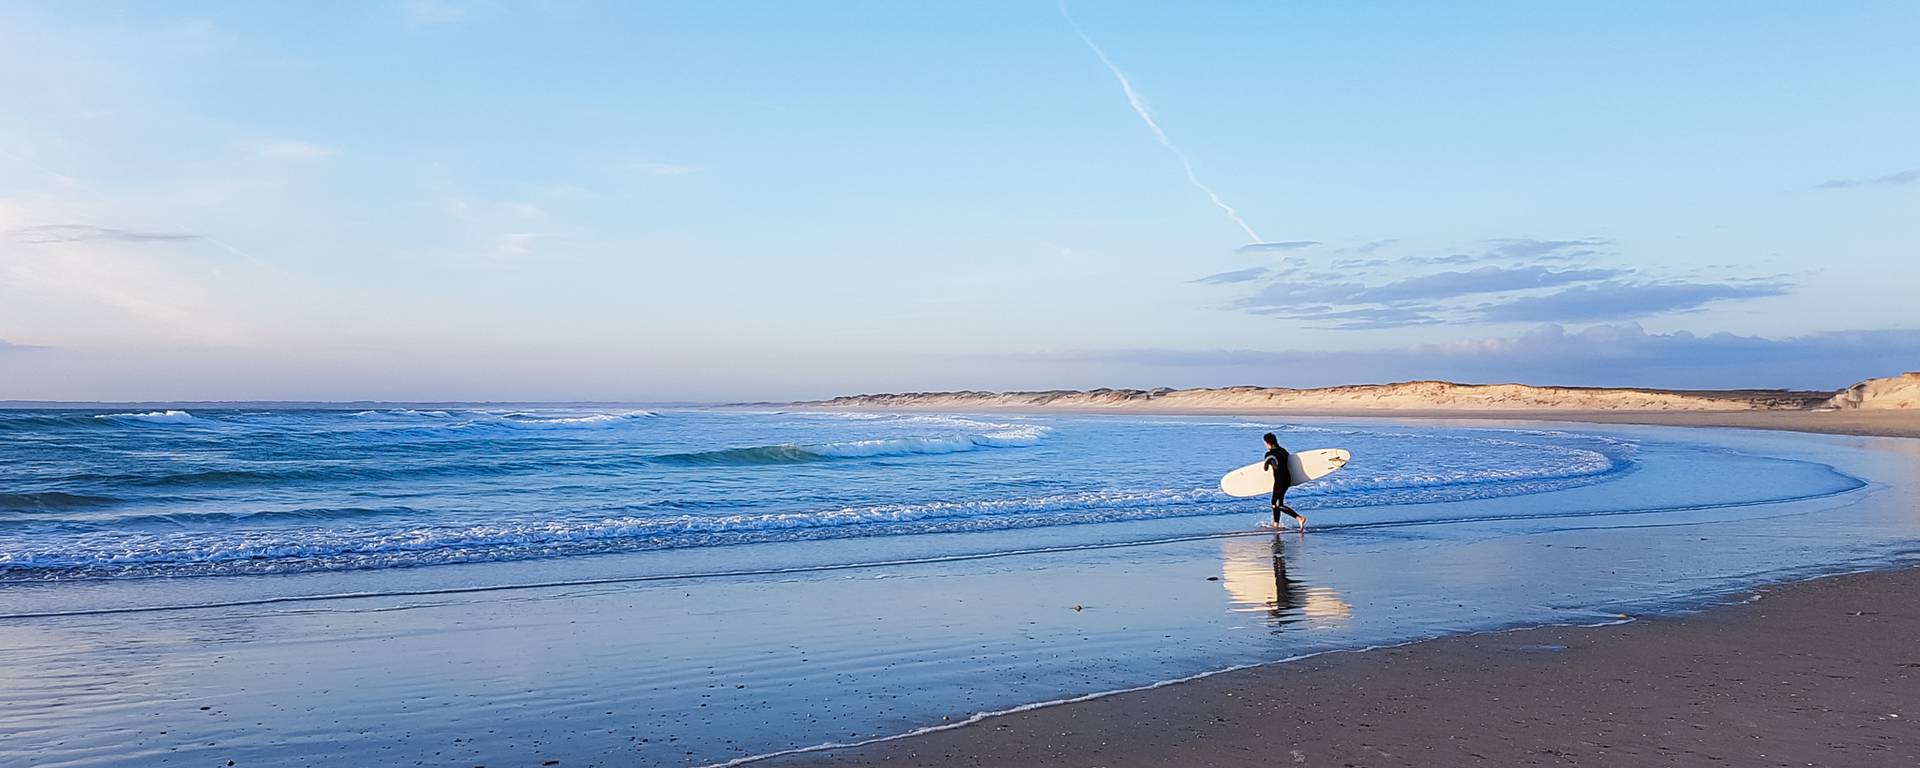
<point x="1276" y="462"/>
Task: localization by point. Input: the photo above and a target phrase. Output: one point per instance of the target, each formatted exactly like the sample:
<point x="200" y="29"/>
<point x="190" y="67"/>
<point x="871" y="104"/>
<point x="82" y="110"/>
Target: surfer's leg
<point x="1280" y="505"/>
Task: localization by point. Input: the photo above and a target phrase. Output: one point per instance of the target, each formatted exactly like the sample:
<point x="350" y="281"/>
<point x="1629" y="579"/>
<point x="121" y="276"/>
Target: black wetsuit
<point x="1282" y="477"/>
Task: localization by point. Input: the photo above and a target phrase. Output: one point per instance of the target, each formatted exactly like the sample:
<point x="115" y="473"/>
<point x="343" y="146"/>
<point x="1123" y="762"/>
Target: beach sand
<point x="1819" y="673"/>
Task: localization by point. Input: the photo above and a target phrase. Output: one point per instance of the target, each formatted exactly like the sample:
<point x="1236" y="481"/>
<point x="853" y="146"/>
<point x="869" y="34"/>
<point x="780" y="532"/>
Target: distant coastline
<point x="1887" y="406"/>
<point x="1892" y="393"/>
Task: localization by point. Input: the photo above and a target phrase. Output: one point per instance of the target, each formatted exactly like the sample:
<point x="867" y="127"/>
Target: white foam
<point x="537" y="420"/>
<point x="159" y="416"/>
<point x="136" y="548"/>
<point x="1011" y="436"/>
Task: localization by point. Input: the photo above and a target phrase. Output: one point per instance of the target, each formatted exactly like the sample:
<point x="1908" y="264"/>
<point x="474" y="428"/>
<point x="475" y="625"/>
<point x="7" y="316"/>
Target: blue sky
<point x="714" y="201"/>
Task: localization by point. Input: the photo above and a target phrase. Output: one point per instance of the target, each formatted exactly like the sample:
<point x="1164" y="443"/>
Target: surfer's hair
<point x="1271" y="440"/>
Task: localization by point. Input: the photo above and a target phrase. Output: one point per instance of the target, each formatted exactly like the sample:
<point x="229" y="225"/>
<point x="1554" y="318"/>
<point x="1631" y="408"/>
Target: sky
<point x="493" y="200"/>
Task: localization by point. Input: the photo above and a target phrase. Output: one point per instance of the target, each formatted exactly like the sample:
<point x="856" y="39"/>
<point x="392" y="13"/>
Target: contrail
<point x="1146" y="115"/>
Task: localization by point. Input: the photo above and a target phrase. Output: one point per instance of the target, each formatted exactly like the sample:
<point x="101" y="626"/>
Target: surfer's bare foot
<point x="1302" y="520"/>
<point x="1274" y="526"/>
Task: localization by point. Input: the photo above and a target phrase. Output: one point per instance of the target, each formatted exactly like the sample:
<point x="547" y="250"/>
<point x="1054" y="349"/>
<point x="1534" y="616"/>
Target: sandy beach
<point x="1819" y="673"/>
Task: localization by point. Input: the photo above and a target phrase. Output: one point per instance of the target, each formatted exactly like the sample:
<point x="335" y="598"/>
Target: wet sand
<point x="1819" y="673"/>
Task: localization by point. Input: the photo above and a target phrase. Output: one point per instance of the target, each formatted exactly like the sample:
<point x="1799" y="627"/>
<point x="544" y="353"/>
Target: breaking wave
<point x="789" y="453"/>
<point x="149" y="416"/>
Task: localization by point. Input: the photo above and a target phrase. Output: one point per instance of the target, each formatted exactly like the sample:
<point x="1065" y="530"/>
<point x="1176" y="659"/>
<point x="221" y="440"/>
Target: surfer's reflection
<point x="1254" y="571"/>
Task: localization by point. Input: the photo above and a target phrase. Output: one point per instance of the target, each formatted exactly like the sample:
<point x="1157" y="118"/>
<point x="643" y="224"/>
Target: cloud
<point x="1236" y="276"/>
<point x="1284" y="245"/>
<point x="1340" y="318"/>
<point x="295" y="150"/>
<point x="1367" y="319"/>
<point x="1891" y="179"/>
<point x="1444" y="285"/>
<point x="1600" y="355"/>
<point x="1518" y="249"/>
<point x="1528" y="248"/>
<point x="1281" y="295"/>
<point x="1517" y="280"/>
<point x="1618" y="300"/>
<point x="1367" y="248"/>
<point x="1351" y="306"/>
<point x="75" y="233"/>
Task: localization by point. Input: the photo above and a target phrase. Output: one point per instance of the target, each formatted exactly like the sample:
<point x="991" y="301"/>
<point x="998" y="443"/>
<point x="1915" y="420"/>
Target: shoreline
<point x="1815" y="672"/>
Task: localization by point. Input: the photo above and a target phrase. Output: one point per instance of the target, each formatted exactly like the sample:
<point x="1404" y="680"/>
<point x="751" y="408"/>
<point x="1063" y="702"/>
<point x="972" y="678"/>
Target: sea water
<point x="91" y="495"/>
<point x="685" y="586"/>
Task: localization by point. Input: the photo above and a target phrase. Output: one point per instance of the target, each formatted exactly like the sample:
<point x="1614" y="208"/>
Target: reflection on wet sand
<point x="1254" y="572"/>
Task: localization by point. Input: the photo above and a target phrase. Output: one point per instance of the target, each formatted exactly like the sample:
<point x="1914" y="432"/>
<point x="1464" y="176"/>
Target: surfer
<point x="1276" y="463"/>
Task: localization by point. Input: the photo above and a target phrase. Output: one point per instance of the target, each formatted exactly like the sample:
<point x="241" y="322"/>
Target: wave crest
<point x="525" y="420"/>
<point x="150" y="416"/>
<point x="1007" y="436"/>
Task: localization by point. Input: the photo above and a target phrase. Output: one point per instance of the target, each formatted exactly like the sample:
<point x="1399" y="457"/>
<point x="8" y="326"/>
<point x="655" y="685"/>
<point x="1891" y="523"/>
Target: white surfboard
<point x="1254" y="479"/>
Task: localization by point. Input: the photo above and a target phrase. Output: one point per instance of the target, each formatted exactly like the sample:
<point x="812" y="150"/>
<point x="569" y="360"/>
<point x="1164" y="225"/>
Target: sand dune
<point x="1402" y="396"/>
<point x="1892" y="392"/>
